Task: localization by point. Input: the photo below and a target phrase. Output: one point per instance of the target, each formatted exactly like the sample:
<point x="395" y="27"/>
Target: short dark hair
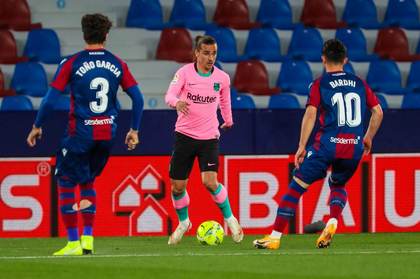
<point x="334" y="51"/>
<point x="95" y="27"/>
<point x="203" y="40"/>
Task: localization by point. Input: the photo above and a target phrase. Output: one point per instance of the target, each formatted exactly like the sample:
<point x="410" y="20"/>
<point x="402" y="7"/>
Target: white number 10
<point x="349" y="110"/>
<point x="99" y="106"/>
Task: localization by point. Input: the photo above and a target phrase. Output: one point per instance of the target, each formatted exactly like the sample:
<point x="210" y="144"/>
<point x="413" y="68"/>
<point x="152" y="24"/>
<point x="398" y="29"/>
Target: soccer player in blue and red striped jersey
<point x="342" y="100"/>
<point x="93" y="76"/>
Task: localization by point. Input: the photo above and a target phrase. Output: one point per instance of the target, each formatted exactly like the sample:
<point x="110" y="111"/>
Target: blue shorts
<point x="317" y="162"/>
<point x="82" y="160"/>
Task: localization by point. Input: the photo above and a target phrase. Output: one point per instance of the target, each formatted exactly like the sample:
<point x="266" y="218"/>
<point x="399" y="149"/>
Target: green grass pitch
<point x="395" y="255"/>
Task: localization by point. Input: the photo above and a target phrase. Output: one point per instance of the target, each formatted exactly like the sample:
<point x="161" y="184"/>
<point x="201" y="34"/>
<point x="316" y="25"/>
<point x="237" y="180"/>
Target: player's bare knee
<point x="178" y="186"/>
<point x="210" y="184"/>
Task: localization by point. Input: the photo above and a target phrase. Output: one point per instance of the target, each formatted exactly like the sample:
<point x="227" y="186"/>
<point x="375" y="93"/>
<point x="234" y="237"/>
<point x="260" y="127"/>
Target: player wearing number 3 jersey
<point x="93" y="77"/>
<point x="341" y="99"/>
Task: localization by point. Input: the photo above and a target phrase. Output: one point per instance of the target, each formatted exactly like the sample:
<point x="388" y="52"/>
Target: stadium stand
<point x="361" y="13"/>
<point x="16" y="103"/>
<point x="189" y="14"/>
<point x="252" y="77"/>
<point x="34" y="84"/>
<point x="8" y="49"/>
<point x="227" y="49"/>
<point x="306" y="44"/>
<point x="15" y="14"/>
<point x="3" y="91"/>
<point x="384" y="76"/>
<point x="295" y="76"/>
<point x="43" y="45"/>
<point x="146" y="14"/>
<point x="275" y="14"/>
<point x="263" y="44"/>
<point x="411" y="101"/>
<point x="241" y="101"/>
<point x="392" y="43"/>
<point x="175" y="44"/>
<point x="283" y="101"/>
<point x="355" y="42"/>
<point x="233" y="14"/>
<point x="403" y="13"/>
<point x="320" y="14"/>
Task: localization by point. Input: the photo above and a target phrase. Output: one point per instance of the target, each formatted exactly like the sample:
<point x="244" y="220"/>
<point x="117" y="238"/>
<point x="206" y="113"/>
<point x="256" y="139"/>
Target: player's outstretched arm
<point x="226" y="107"/>
<point x="47" y="105"/>
<point x="374" y="124"/>
<point x="132" y="138"/>
<point x="308" y="123"/>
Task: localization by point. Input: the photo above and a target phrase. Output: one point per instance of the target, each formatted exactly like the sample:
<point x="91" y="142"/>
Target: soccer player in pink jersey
<point x="196" y="92"/>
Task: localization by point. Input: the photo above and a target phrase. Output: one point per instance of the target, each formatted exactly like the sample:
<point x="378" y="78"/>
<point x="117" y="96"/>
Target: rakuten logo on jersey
<point x="344" y="140"/>
<point x="395" y="193"/>
<point x="198" y="99"/>
<point x="25" y="197"/>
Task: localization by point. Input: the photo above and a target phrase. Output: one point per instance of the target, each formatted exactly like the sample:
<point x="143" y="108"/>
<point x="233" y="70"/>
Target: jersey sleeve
<point x="63" y="74"/>
<point x="127" y="79"/>
<point x="225" y="103"/>
<point x="175" y="87"/>
<point x="314" y="98"/>
<point x="371" y="99"/>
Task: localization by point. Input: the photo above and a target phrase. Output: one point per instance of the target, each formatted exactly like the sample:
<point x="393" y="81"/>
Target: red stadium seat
<point x="15" y="14"/>
<point x="8" y="49"/>
<point x="251" y="76"/>
<point x="321" y="14"/>
<point x="233" y="14"/>
<point x="5" y="92"/>
<point x="175" y="44"/>
<point x="392" y="43"/>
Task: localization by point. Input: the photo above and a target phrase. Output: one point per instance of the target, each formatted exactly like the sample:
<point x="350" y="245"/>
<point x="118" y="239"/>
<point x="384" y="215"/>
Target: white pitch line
<point x="265" y="253"/>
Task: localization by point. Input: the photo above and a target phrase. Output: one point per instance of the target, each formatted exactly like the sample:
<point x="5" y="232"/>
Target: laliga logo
<point x="138" y="197"/>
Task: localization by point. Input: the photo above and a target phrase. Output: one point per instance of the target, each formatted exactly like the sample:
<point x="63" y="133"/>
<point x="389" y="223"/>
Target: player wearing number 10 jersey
<point x="93" y="76"/>
<point x="342" y="99"/>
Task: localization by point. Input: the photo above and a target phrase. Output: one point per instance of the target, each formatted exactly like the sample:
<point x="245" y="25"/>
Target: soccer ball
<point x="210" y="233"/>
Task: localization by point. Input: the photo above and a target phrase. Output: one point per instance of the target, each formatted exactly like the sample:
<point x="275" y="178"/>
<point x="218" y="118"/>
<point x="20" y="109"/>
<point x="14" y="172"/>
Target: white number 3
<point x="99" y="106"/>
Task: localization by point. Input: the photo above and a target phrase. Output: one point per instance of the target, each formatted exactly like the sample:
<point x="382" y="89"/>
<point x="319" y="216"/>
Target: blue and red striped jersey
<point x="342" y="100"/>
<point x="93" y="77"/>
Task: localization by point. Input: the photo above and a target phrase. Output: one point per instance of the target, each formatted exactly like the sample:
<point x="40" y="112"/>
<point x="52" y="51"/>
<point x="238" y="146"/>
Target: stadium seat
<point x="283" y="101"/>
<point x="384" y="76"/>
<point x="5" y="92"/>
<point x="306" y="44"/>
<point x="15" y="14"/>
<point x="175" y="44"/>
<point x="16" y="103"/>
<point x="252" y="77"/>
<point x="145" y="14"/>
<point x="226" y="43"/>
<point x="8" y="49"/>
<point x="34" y="84"/>
<point x="403" y="13"/>
<point x="411" y="101"/>
<point x="275" y="14"/>
<point x="43" y="45"/>
<point x="355" y="42"/>
<point x="413" y="80"/>
<point x="382" y="101"/>
<point x="320" y="14"/>
<point x="233" y="14"/>
<point x="190" y="14"/>
<point x="392" y="43"/>
<point x="348" y="67"/>
<point x="295" y="76"/>
<point x="263" y="44"/>
<point x="241" y="101"/>
<point x="361" y="13"/>
<point x="62" y="103"/>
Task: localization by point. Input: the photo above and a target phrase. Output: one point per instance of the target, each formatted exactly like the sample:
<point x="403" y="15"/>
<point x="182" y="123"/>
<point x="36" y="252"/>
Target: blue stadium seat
<point x="403" y="13"/>
<point x="240" y="101"/>
<point x="263" y="44"/>
<point x="384" y="76"/>
<point x="226" y="43"/>
<point x="355" y="42"/>
<point x="306" y="43"/>
<point x="146" y="14"/>
<point x="411" y="101"/>
<point x="62" y="103"/>
<point x="33" y="84"/>
<point x="276" y="14"/>
<point x="43" y="45"/>
<point x="361" y="13"/>
<point x="295" y="76"/>
<point x="283" y="101"/>
<point x="348" y="67"/>
<point x="413" y="80"/>
<point x="189" y="14"/>
<point x="13" y="103"/>
<point x="382" y="101"/>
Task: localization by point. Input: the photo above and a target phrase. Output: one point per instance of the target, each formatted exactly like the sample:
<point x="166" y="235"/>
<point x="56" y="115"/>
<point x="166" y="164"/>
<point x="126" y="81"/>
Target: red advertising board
<point x="25" y="185"/>
<point x="395" y="193"/>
